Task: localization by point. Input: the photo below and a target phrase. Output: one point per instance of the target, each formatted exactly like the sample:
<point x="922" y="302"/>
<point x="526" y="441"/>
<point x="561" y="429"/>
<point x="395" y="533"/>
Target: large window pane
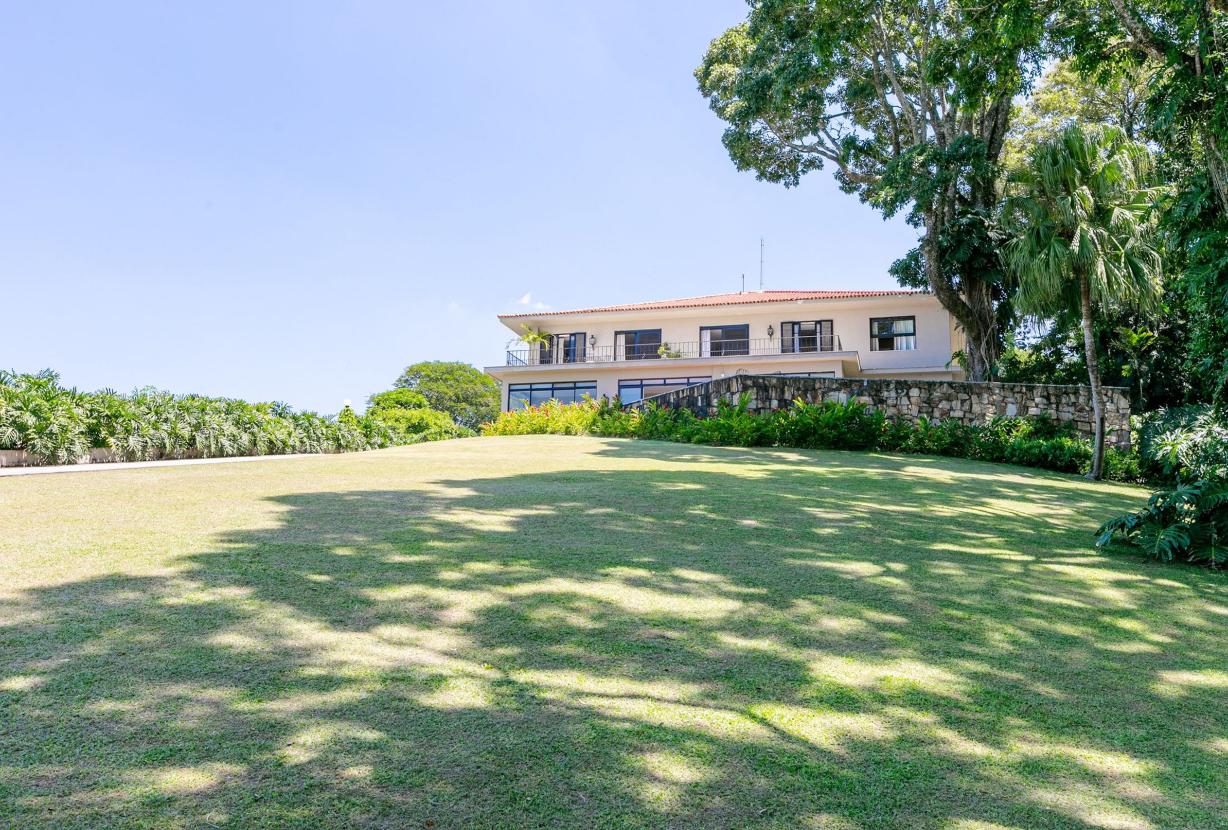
<point x="630" y="391"/>
<point x="717" y="341"/>
<point x="893" y="334"/>
<point x="640" y="344"/>
<point x="536" y="394"/>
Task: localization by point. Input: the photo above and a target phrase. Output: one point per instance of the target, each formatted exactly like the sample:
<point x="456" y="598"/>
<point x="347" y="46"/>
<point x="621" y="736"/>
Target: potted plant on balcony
<point x="667" y="352"/>
<point x="534" y="337"/>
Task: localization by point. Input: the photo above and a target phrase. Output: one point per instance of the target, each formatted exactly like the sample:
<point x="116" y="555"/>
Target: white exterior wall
<point x="936" y="339"/>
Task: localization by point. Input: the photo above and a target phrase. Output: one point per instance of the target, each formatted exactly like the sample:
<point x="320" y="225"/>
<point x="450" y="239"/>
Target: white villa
<point x="643" y="349"/>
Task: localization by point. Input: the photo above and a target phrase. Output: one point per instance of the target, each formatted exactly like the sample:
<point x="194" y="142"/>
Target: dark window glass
<point x="630" y="391"/>
<point x="889" y="334"/>
<point x="715" y="341"/>
<point x="640" y="344"/>
<point x="536" y="394"/>
<point x="571" y="346"/>
<point x="545" y="352"/>
<point x="806" y="336"/>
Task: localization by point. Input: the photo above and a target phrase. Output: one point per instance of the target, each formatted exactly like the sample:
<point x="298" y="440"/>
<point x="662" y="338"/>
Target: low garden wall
<point x="910" y="400"/>
<point x="21" y="458"/>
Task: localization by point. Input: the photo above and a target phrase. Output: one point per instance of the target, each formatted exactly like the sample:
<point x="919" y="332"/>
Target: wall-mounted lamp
<point x="592" y="340"/>
<point x="771" y="331"/>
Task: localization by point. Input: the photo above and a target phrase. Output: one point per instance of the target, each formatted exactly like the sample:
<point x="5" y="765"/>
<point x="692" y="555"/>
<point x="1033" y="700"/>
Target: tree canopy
<point x="1082" y="213"/>
<point x="909" y="101"/>
<point x="468" y="395"/>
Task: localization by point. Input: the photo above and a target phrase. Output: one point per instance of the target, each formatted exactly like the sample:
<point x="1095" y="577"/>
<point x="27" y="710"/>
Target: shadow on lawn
<point x="768" y="644"/>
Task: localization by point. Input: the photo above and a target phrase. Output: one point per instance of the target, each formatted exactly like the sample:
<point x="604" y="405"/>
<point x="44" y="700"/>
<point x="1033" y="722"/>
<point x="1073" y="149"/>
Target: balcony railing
<point x="763" y="347"/>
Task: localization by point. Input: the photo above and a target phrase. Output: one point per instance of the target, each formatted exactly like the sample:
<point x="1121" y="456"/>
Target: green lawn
<point x="574" y="632"/>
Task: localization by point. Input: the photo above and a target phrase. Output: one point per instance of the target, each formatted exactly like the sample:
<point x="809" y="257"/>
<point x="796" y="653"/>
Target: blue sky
<point x="292" y="201"/>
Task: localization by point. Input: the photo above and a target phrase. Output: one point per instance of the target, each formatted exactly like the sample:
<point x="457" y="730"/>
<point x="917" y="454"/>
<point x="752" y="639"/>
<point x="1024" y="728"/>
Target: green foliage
<point x="549" y="418"/>
<point x="43" y="418"/>
<point x="398" y="398"/>
<point x="406" y="415"/>
<point x="1029" y="442"/>
<point x="1183" y="444"/>
<point x="60" y="426"/>
<point x="909" y="102"/>
<point x="1189" y="522"/>
<point x="830" y="426"/>
<point x="468" y="395"/>
<point x="1183" y="48"/>
<point x="1064" y="97"/>
<point x="1082" y="212"/>
<point x="420" y="424"/>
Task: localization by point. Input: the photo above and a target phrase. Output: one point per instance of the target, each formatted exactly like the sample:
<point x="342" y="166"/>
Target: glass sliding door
<point x="806" y="336"/>
<point x="638" y="344"/>
<point x="571" y="347"/>
<point x="718" y="341"/>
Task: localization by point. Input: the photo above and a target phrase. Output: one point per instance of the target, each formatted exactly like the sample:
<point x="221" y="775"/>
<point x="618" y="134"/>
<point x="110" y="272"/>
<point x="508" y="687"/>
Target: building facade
<point x="643" y="349"/>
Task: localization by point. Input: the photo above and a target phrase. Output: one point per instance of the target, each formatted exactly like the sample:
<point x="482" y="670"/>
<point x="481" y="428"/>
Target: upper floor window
<point x="638" y="344"/>
<point x="806" y="336"/>
<point x="562" y="348"/>
<point x="893" y="334"/>
<point x="715" y="341"/>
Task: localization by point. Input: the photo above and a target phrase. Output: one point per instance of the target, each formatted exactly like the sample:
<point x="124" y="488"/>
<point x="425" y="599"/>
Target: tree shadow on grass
<point x="767" y="640"/>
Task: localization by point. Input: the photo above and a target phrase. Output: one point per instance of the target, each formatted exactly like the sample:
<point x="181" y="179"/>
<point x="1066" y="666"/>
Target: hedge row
<point x="1030" y="442"/>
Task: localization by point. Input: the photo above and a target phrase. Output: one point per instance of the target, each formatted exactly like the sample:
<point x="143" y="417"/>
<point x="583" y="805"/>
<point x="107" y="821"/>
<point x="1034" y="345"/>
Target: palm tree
<point x="1082" y="214"/>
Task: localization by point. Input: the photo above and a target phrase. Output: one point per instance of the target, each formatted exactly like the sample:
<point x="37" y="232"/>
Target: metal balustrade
<point x="684" y="350"/>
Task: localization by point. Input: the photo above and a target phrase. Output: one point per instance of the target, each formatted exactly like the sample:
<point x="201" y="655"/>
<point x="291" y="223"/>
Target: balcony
<point x="687" y="350"/>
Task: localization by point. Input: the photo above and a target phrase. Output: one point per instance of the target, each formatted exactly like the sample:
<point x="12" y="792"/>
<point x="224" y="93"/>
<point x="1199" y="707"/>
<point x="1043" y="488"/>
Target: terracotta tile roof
<point x="735" y="298"/>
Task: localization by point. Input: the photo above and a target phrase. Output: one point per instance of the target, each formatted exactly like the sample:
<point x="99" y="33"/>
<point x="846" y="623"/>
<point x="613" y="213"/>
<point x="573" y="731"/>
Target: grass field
<point x="572" y="632"/>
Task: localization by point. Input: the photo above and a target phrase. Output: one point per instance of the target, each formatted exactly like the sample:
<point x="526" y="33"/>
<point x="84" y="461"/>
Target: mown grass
<point x="575" y="632"/>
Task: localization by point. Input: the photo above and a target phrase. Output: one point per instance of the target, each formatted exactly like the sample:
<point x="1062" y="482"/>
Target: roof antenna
<point x="743" y="291"/>
<point x="761" y="263"/>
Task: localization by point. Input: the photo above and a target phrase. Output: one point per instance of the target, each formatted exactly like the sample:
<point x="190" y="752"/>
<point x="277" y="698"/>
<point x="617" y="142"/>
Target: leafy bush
<point x="830" y="426"/>
<point x="1188" y="523"/>
<point x="1186" y="443"/>
<point x="1030" y="442"/>
<point x="57" y="425"/>
<point x="413" y="425"/>
<point x="550" y="417"/>
<point x="406" y="416"/>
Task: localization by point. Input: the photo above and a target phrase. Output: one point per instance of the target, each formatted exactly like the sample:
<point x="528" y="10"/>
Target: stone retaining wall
<point x="970" y="403"/>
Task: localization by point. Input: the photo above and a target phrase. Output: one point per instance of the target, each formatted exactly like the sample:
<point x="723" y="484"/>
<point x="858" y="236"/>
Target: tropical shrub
<point x="413" y="425"/>
<point x="1185" y="443"/>
<point x="406" y="415"/>
<point x="1030" y="442"/>
<point x="830" y="425"/>
<point x="1189" y="522"/>
<point x="550" y="417"/>
<point x="57" y="425"/>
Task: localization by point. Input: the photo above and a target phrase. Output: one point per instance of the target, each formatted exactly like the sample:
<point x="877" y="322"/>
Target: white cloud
<point x="527" y="300"/>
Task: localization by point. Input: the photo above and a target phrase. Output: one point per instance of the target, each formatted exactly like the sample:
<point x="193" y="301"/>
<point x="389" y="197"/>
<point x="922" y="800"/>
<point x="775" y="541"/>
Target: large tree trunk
<point x="1093" y="375"/>
<point x="973" y="310"/>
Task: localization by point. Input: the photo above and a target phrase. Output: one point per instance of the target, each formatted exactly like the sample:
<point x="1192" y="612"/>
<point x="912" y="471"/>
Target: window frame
<point x="709" y="352"/>
<point x="578" y="388"/>
<point x="573" y="344"/>
<point x="875" y="344"/>
<point x="681" y="382"/>
<point x="818" y="336"/>
<point x="654" y="354"/>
